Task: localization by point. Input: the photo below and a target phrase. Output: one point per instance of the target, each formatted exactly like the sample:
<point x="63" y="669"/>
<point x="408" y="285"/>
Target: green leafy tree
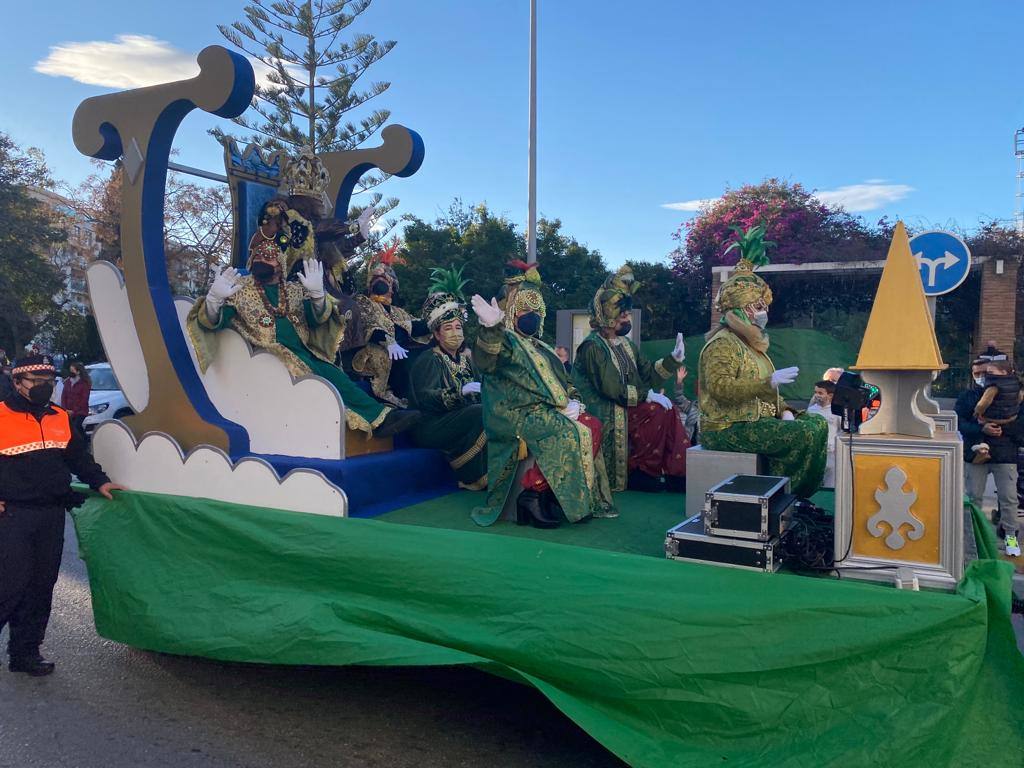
<point x="28" y="282"/>
<point x="314" y="79"/>
<point x="669" y="304"/>
<point x="571" y="271"/>
<point x="472" y="238"/>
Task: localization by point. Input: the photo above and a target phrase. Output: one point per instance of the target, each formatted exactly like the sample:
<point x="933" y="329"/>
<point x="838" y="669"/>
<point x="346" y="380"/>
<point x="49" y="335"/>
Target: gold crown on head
<point x="306" y="176"/>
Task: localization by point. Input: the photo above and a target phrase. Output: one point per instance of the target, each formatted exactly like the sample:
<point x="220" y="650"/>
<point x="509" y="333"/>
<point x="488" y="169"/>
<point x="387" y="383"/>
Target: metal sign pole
<point x="531" y="227"/>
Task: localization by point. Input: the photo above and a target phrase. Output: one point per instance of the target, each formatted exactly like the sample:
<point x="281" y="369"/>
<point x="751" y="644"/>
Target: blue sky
<point x="641" y="105"/>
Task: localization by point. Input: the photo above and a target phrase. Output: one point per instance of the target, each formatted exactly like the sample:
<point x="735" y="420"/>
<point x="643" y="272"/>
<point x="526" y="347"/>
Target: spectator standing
<point x="1001" y="442"/>
<point x="563" y="354"/>
<point x="74" y="398"/>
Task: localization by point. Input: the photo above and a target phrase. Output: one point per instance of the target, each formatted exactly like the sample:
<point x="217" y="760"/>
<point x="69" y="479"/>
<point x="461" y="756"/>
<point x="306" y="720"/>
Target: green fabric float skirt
<point x="460" y="436"/>
<point x="794" y="449"/>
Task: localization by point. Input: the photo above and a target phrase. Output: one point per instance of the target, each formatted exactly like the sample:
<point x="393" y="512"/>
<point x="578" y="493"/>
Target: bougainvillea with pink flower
<point x="804" y="228"/>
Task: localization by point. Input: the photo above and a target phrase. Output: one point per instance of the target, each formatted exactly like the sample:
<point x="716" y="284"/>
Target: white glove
<point x="364" y="222"/>
<point x="660" y="399"/>
<point x="573" y="410"/>
<point x="225" y="285"/>
<point x="397" y="351"/>
<point x="788" y="416"/>
<point x="785" y="376"/>
<point x="680" y="349"/>
<point x="473" y="388"/>
<point x="488" y="314"/>
<point x="312" y="278"/>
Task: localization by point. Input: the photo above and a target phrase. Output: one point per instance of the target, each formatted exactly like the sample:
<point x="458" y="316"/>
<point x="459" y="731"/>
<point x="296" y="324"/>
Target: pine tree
<point x="313" y="78"/>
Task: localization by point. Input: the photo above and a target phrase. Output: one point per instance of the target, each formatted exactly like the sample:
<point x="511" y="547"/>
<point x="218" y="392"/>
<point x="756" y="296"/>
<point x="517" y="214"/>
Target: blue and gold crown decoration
<point x="254" y="177"/>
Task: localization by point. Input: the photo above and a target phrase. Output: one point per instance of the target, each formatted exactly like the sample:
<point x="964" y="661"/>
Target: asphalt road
<point x="110" y="706"/>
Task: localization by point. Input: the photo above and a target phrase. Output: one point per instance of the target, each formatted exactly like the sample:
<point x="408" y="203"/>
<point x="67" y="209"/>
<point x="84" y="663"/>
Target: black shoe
<point x="531" y="510"/>
<point x="36" y="666"/>
<point x="397" y="421"/>
<point x="641" y="481"/>
<point x="675" y="484"/>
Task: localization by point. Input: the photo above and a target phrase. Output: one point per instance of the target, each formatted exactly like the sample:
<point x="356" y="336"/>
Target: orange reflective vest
<point x="20" y="432"/>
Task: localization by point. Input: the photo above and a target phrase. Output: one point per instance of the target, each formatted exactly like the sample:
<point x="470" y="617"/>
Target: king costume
<point x="445" y="386"/>
<point x="387" y="332"/>
<point x="642" y="431"/>
<point x="280" y="316"/>
<point x="530" y="407"/>
<point x="740" y="406"/>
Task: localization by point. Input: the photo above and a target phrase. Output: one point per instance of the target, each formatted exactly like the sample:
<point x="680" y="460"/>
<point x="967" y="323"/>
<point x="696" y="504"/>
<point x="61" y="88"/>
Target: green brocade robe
<point x="304" y="340"/>
<point x="524" y="388"/>
<point x="613" y="376"/>
<point x="741" y="411"/>
<point x="452" y="422"/>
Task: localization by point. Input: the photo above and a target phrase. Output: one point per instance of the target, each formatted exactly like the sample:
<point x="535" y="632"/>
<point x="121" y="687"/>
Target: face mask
<point x="528" y="324"/>
<point x="624" y="330"/>
<point x="262" y="271"/>
<point x="40" y="394"/>
<point x="451" y="340"/>
<point x="380" y="288"/>
<point x="760" y="319"/>
<point x="979" y="380"/>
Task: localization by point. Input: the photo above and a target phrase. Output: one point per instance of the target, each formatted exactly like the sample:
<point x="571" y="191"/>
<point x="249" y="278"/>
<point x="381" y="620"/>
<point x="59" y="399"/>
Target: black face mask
<point x="262" y="271"/>
<point x="624" y="330"/>
<point x="40" y="394"/>
<point x="380" y="288"/>
<point x="529" y="323"/>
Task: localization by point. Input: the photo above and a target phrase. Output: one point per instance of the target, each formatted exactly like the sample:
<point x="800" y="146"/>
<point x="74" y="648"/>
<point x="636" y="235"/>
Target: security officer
<point x="39" y="451"/>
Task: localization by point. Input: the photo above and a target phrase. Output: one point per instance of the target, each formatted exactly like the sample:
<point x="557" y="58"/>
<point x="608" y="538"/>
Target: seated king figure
<point x="740" y="406"/>
<point x="644" y="438"/>
<point x="295" y="321"/>
<point x="531" y="408"/>
<point x="445" y="386"/>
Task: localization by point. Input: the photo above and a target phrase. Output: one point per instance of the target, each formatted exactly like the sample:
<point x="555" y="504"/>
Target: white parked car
<point x="106" y="401"/>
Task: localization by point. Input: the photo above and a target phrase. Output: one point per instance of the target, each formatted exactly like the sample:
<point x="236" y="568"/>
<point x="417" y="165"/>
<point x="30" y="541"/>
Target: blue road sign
<point x="944" y="260"/>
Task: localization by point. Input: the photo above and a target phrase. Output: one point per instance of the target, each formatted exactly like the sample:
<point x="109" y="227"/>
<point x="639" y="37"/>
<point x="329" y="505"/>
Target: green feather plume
<point x="448" y="281"/>
<point x="753" y="247"/>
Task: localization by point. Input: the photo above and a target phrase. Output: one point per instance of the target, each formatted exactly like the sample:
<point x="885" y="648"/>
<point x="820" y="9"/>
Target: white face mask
<point x="979" y="380"/>
<point x="760" y="319"/>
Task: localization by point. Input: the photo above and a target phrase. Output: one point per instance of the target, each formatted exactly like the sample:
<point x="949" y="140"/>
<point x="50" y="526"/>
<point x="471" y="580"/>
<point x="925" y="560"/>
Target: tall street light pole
<point x="531" y="232"/>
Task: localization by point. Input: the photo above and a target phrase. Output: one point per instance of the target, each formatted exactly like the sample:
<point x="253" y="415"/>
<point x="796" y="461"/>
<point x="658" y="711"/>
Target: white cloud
<point x="130" y="61"/>
<point x="157" y="465"/>
<point x="872" y="194"/>
<point x="689" y="205"/>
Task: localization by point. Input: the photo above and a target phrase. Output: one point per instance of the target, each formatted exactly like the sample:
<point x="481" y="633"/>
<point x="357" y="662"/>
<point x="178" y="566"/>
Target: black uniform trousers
<point x="31" y="545"/>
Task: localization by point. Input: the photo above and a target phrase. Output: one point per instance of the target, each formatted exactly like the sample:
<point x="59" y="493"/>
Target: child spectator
<point x="821" y="405"/>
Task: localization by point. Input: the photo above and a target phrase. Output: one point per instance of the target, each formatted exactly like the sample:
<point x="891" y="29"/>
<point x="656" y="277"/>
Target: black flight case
<point x="747" y="507"/>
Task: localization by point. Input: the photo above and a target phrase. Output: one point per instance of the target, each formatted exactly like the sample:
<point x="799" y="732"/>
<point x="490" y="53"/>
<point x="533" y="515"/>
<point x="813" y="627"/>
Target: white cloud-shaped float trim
<point x="116" y="326"/>
<point x="283" y="416"/>
<point x="157" y="465"/>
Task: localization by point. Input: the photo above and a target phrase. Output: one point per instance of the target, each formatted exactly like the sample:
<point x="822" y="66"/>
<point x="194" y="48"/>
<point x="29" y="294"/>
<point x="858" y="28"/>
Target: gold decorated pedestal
<point x="900" y="504"/>
<point x="899" y="482"/>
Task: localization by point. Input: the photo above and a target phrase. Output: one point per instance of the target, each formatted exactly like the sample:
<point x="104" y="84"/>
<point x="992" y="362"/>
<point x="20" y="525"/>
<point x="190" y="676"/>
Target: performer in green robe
<point x="445" y="387"/>
<point x="530" y="407"/>
<point x="295" y="321"/>
<point x="741" y="409"/>
<point x="644" y="442"/>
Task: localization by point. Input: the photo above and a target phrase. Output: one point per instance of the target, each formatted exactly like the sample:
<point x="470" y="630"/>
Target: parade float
<point x="260" y="528"/>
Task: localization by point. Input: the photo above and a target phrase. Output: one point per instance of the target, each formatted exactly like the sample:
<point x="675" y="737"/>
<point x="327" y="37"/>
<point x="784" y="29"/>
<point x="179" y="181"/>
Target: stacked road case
<point x="740" y="525"/>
